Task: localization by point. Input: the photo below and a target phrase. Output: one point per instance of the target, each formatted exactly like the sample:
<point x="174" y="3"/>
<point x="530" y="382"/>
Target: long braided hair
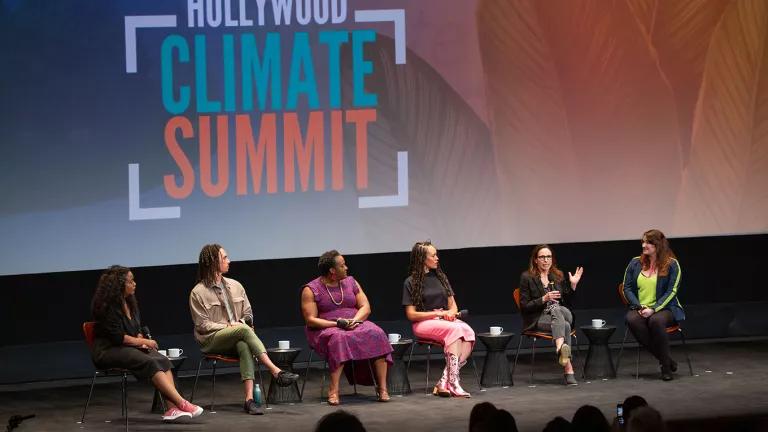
<point x="416" y="272"/>
<point x="110" y="292"/>
<point x="208" y="264"/>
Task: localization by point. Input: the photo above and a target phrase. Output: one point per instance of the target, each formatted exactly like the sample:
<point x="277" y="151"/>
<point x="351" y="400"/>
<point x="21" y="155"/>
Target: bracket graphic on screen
<point x="399" y="200"/>
<point x="383" y="15"/>
<point x="136" y="22"/>
<point x="135" y="212"/>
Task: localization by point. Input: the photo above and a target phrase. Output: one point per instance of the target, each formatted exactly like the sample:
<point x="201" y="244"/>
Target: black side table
<point x="599" y="363"/>
<point x="496" y="368"/>
<point x="158" y="403"/>
<point x="397" y="375"/>
<point x="283" y="358"/>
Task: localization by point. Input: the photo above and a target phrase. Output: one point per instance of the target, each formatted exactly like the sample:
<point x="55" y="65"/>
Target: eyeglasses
<point x="544" y="257"/>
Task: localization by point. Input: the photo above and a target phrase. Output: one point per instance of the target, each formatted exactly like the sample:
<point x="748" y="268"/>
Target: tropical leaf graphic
<point x="453" y="183"/>
<point x="583" y="120"/>
<point x="724" y="186"/>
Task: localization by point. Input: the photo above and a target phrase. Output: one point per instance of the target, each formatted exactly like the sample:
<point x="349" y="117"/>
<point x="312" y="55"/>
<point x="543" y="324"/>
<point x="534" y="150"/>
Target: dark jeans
<point x="651" y="333"/>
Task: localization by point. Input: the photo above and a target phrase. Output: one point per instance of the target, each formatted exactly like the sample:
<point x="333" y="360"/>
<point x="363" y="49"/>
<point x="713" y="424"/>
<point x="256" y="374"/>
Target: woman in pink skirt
<point x="430" y="305"/>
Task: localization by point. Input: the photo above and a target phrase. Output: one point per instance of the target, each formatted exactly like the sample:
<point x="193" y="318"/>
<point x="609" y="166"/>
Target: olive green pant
<point x="237" y="341"/>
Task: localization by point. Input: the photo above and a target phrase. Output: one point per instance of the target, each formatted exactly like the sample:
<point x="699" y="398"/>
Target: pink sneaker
<point x="175" y="414"/>
<point x="190" y="408"/>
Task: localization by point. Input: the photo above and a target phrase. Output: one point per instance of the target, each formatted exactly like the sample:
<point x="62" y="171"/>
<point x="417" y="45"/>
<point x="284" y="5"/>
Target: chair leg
<point x="517" y="352"/>
<point x="125" y="398"/>
<point x="410" y="356"/>
<point x="261" y="383"/>
<point x="306" y="375"/>
<point x="687" y="355"/>
<point x="533" y="357"/>
<point x="426" y="381"/>
<point x="354" y="380"/>
<point x="197" y="376"/>
<point x="621" y="348"/>
<point x="576" y="355"/>
<point x="213" y="387"/>
<point x="376" y="384"/>
<point x="88" y="401"/>
<point x="326" y="368"/>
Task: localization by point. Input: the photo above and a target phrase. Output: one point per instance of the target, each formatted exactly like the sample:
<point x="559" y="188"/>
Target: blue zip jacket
<point x="666" y="288"/>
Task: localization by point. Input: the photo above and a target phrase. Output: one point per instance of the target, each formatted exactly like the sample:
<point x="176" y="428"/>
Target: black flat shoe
<point x="285" y="378"/>
<point x="666" y="374"/>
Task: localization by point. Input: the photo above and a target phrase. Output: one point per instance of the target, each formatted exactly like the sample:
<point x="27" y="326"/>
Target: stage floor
<point x="727" y="392"/>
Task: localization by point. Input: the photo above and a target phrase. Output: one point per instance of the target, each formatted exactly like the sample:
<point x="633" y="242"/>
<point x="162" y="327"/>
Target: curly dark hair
<point x="664" y="254"/>
<point x="208" y="264"/>
<point x="327" y="261"/>
<point x="533" y="269"/>
<point x="110" y="293"/>
<point x="416" y="272"/>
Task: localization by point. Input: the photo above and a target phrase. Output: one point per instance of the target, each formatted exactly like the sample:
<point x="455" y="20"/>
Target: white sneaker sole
<point x="177" y="417"/>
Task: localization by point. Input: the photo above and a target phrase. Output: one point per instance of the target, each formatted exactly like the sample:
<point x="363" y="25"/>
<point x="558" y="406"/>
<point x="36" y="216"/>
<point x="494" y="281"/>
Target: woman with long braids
<point x="119" y="342"/>
<point x="430" y="305"/>
<point x="223" y="321"/>
<point x="542" y="290"/>
<point x="651" y="283"/>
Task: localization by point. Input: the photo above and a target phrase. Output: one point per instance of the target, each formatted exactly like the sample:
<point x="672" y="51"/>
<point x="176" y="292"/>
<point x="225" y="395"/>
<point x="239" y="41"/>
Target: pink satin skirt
<point x="443" y="332"/>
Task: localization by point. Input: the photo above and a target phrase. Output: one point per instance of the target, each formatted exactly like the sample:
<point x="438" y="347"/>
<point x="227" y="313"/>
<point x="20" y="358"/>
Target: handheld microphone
<point x="463" y="313"/>
<point x="145" y="331"/>
<point x="248" y="320"/>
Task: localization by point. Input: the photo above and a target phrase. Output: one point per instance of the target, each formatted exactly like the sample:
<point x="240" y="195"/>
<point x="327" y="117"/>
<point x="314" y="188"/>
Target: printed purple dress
<point x="366" y="341"/>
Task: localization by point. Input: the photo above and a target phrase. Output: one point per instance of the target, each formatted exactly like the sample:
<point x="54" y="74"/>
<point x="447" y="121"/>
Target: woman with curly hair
<point x="542" y="290"/>
<point x="430" y="305"/>
<point x="119" y="342"/>
<point x="651" y="283"/>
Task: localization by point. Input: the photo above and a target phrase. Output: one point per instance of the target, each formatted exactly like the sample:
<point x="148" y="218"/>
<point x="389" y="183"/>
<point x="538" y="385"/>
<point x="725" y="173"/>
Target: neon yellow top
<point x="646" y="289"/>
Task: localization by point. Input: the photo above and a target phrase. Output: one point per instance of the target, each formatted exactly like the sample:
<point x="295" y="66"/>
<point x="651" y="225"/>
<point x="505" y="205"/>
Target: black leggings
<point x="651" y="333"/>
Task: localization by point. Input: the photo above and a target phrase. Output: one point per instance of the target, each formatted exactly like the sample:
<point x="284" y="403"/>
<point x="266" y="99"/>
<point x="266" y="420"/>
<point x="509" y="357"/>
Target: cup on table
<point x="597" y="323"/>
<point x="175" y="352"/>
<point x="496" y="330"/>
<point x="284" y="344"/>
<point x="394" y="337"/>
<point x="163" y="352"/>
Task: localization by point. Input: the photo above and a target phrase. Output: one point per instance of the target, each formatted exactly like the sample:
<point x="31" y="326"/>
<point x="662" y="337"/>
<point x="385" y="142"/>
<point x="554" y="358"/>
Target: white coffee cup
<point x="163" y="352"/>
<point x="175" y="352"/>
<point x="394" y="337"/>
<point x="496" y="330"/>
<point x="284" y="344"/>
<point x="598" y="323"/>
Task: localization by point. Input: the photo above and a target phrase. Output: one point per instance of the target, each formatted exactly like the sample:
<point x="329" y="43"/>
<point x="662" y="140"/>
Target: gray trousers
<point x="559" y="322"/>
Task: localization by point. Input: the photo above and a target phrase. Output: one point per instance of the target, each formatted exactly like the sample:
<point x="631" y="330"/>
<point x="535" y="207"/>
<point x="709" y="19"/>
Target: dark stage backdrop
<point x="51" y="307"/>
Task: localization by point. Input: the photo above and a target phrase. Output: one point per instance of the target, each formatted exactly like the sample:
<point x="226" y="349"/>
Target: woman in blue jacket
<point x="651" y="283"/>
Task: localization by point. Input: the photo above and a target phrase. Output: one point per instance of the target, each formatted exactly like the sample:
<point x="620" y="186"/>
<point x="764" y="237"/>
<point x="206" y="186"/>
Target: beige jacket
<point x="208" y="312"/>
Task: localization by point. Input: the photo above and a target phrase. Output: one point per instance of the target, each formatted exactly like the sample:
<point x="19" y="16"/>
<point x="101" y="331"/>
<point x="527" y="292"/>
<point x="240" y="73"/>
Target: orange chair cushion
<point x="223" y="358"/>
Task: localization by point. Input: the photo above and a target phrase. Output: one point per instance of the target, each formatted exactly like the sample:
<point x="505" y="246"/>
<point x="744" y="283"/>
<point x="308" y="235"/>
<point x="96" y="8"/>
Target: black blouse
<point x="115" y="324"/>
<point x="433" y="294"/>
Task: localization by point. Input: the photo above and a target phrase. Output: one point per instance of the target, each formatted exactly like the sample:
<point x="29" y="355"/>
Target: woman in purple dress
<point x="335" y="310"/>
